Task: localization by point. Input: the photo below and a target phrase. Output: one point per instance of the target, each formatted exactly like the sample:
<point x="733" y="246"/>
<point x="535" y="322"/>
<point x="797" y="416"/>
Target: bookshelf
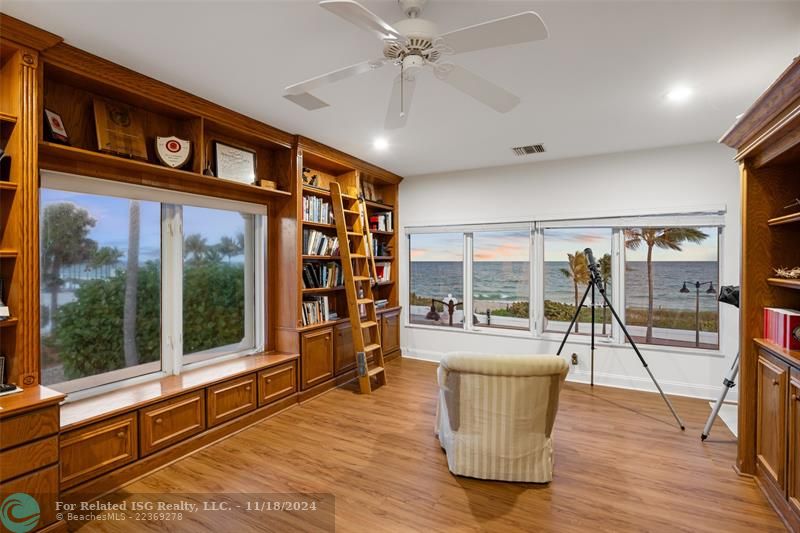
<point x="324" y="165"/>
<point x="767" y="140"/>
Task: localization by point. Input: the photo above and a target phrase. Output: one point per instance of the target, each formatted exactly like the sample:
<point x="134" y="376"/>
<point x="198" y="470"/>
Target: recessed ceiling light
<point x="679" y="94"/>
<point x="380" y="143"/>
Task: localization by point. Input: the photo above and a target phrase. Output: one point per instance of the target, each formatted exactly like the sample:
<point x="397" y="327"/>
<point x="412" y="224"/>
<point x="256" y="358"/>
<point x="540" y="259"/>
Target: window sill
<point x="84" y="411"/>
<point x="573" y="339"/>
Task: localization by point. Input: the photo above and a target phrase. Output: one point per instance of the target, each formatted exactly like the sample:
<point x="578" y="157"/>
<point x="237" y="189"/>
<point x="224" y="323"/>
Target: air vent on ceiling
<point x="530" y="149"/>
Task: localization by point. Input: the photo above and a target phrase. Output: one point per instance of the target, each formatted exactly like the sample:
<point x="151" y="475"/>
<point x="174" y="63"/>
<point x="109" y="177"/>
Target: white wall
<point x="663" y="180"/>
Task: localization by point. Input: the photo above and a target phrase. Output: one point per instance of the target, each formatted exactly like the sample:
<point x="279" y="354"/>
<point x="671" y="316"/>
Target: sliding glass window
<point x="501" y="274"/>
<point x="436" y="279"/>
<point x="139" y="281"/>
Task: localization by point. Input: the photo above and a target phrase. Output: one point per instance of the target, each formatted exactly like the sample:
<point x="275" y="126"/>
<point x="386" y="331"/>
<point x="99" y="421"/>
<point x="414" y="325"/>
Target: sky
<point x="513" y="246"/>
<point x="111" y="217"/>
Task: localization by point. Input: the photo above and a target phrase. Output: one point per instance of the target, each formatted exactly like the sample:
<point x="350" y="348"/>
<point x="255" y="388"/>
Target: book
<point x="782" y="327"/>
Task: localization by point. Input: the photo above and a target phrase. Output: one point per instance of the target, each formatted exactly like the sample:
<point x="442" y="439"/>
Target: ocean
<point x="509" y="281"/>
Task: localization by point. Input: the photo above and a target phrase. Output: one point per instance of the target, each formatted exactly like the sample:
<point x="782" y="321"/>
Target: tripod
<point x="595" y="282"/>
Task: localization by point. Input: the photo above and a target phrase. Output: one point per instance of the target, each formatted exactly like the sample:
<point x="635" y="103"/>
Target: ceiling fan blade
<point x="516" y="29"/>
<point x="479" y="88"/>
<point x="336" y="75"/>
<point x="356" y="14"/>
<point x="394" y="118"/>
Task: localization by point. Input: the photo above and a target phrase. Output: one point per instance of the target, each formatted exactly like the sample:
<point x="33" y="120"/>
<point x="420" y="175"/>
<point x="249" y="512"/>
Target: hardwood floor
<point x="621" y="465"/>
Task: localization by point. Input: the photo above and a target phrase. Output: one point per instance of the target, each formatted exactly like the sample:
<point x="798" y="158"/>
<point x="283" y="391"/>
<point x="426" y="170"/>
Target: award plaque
<point x="119" y="129"/>
<point x="55" y="127"/>
<point x="235" y="164"/>
<point x="173" y="152"/>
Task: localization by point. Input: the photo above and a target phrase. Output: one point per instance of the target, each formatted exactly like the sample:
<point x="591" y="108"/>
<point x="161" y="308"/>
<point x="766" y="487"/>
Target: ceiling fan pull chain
<point x="402" y="86"/>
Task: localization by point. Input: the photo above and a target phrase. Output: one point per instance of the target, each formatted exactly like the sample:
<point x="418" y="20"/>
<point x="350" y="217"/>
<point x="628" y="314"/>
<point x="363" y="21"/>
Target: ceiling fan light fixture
<point x="380" y="144"/>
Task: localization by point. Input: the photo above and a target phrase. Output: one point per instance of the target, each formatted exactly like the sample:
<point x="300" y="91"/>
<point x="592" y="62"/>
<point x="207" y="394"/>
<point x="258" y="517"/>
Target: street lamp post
<point x="697" y="285"/>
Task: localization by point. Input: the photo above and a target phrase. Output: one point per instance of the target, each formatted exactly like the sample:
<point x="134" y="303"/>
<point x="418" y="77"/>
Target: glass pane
<point x="566" y="276"/>
<point x="437" y="276"/>
<point x="671" y="283"/>
<point x="217" y="279"/>
<point x="501" y="279"/>
<point x="100" y="286"/>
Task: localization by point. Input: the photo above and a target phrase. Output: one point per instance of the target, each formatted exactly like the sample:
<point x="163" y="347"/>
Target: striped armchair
<point x="495" y="414"/>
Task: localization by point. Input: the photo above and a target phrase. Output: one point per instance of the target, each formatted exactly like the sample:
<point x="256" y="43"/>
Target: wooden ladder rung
<point x="374" y="371"/>
<point x="350" y="212"/>
<point x="362" y="301"/>
<point x="361" y="278"/>
<point x="368" y="324"/>
<point x="357" y="256"/>
<point x="355" y="234"/>
<point x="372" y="347"/>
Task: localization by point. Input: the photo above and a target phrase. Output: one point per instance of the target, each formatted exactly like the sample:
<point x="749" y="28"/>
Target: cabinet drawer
<point x="276" y="383"/>
<point x="43" y="486"/>
<point x="231" y="399"/>
<point x="93" y="450"/>
<point x="169" y="422"/>
<point x="28" y="457"/>
<point x="19" y="429"/>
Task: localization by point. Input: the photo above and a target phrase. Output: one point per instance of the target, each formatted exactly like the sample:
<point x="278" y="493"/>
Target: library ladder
<point x="358" y="265"/>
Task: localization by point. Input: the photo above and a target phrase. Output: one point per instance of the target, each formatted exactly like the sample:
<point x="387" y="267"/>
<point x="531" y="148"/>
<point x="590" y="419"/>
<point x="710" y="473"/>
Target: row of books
<point x="317" y="209"/>
<point x="382" y="303"/>
<point x="380" y="248"/>
<point x="381" y="222"/>
<point x="319" y="275"/>
<point x="782" y="327"/>
<point x="317" y="243"/>
<point x="316" y="310"/>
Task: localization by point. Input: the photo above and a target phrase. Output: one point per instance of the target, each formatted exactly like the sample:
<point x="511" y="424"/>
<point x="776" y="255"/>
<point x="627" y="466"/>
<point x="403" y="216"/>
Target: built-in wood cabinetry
<point x="344" y="355"/>
<point x="168" y="422"/>
<point x="276" y="383"/>
<point x="767" y="139"/>
<point x="317" y="350"/>
<point x="390" y="331"/>
<point x="231" y="399"/>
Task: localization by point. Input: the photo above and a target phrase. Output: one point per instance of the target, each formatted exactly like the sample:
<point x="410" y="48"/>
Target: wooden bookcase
<point x="767" y="138"/>
<point x="326" y="346"/>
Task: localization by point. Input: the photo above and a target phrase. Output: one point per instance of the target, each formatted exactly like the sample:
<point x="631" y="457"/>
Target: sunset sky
<point x="513" y="246"/>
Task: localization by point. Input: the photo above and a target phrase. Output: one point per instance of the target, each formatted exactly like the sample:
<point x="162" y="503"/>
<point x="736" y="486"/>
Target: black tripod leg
<point x="641" y="358"/>
<point x="574" y="318"/>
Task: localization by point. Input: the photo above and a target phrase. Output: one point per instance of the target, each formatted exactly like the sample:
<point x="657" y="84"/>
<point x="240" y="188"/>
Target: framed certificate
<point x="235" y="164"/>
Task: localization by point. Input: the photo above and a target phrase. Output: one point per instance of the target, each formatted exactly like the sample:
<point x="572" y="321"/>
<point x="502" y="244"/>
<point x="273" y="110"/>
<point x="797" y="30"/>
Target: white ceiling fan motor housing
<point x="412" y="8"/>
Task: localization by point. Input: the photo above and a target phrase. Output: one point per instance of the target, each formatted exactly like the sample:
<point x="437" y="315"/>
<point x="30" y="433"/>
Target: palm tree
<point x="228" y="247"/>
<point x="665" y="239"/>
<point x="578" y="273"/>
<point x="605" y="277"/>
<point x="194" y="245"/>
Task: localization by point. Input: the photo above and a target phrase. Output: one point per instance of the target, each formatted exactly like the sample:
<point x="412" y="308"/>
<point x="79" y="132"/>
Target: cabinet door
<point x="96" y="449"/>
<point x="390" y="332"/>
<point x="168" y="422"/>
<point x="344" y="350"/>
<point x="230" y="399"/>
<point x="276" y="383"/>
<point x="771" y="415"/>
<point x="317" y="356"/>
<point x="793" y="481"/>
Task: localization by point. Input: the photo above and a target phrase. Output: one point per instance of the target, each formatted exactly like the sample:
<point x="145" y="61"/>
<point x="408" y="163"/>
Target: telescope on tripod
<point x="596" y="283"/>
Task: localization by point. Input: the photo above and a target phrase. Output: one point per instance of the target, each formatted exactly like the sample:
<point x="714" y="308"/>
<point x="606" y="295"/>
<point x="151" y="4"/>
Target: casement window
<point x="531" y="276"/>
<point x="138" y="281"/>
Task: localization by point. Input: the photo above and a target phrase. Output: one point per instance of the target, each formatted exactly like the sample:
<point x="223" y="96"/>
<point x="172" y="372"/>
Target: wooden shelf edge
<point x="315" y="290"/>
<point x="785" y="283"/>
<point x="8" y="118"/>
<point x="318" y="224"/>
<point x="8" y="254"/>
<point x="69" y="159"/>
<point x="7" y="323"/>
<point x="787" y="219"/>
<point x="322" y="257"/>
<point x="791" y="355"/>
<point x="9" y="185"/>
<point x="330" y="323"/>
<point x="379" y="205"/>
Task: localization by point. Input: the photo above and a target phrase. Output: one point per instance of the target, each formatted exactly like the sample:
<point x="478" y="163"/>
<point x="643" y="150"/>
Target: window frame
<point x="701" y="217"/>
<point x="173" y="361"/>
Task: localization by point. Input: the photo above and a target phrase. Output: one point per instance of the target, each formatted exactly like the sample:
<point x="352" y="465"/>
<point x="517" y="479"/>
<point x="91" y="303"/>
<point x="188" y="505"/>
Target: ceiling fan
<point x="415" y="43"/>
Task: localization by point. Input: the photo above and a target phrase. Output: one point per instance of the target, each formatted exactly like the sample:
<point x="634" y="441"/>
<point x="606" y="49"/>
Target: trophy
<point x="172" y="151"/>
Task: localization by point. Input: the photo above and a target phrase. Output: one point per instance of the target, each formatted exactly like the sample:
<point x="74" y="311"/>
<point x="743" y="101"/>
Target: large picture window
<point x="660" y="272"/>
<point x="137" y="281"/>
<point x="501" y="279"/>
<point x="671" y="285"/>
<point x="566" y="276"/>
<point x="437" y="279"/>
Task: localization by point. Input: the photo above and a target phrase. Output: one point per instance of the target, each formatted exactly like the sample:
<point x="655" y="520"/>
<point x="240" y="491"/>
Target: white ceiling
<point x="596" y="86"/>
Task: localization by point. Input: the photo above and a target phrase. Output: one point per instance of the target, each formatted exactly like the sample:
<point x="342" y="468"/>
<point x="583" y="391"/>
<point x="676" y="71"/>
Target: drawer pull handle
<point x="247" y="388"/>
<point x="269" y="380"/>
<point x="158" y="420"/>
<point x="121" y="434"/>
<point x="775" y="382"/>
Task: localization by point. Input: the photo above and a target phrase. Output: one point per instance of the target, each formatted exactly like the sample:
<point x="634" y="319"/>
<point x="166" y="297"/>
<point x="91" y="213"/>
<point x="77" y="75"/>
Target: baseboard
<point x="675" y="388"/>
